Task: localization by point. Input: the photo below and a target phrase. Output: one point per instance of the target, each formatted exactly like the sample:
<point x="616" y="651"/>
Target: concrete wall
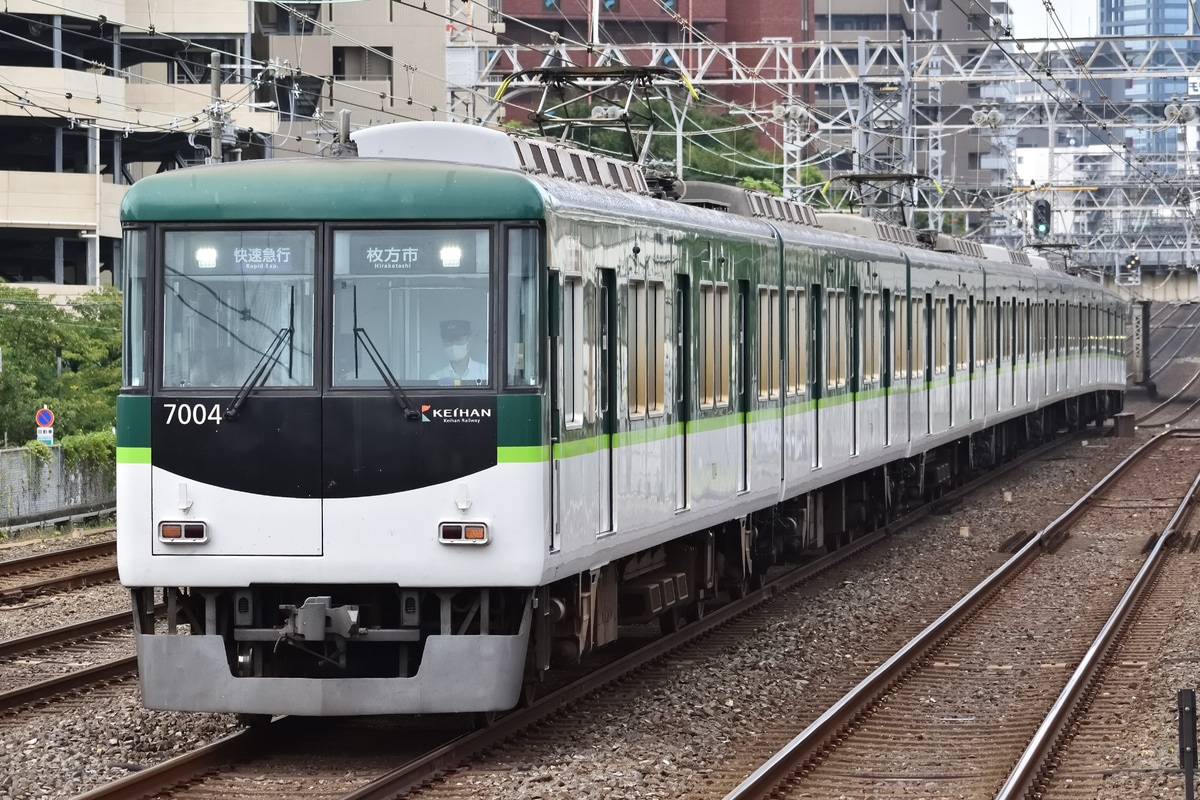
<point x="32" y="490"/>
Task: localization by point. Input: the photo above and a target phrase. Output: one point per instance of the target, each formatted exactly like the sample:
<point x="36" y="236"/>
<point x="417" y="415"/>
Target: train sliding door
<point x="681" y="389"/>
<point x="606" y="405"/>
<point x="742" y="342"/>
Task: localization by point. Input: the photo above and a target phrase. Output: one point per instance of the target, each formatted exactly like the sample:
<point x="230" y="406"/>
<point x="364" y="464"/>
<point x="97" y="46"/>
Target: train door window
<point x="887" y="339"/>
<point x="134" y="334"/>
<point x="900" y="338"/>
<point x="1004" y="333"/>
<point x="941" y="337"/>
<point x="1021" y="317"/>
<point x="835" y="338"/>
<point x="656" y="335"/>
<point x="573" y="360"/>
<point x="412" y="304"/>
<point x="714" y="339"/>
<point x="987" y="338"/>
<point x="872" y="340"/>
<point x="768" y="343"/>
<point x="521" y="317"/>
<point x="635" y="348"/>
<point x="237" y="299"/>
<point x="920" y="338"/>
<point x="962" y="337"/>
<point x="797" y="322"/>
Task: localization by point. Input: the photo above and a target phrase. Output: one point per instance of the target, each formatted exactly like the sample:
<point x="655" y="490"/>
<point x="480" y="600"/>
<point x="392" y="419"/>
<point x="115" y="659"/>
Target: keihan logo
<point x="429" y="414"/>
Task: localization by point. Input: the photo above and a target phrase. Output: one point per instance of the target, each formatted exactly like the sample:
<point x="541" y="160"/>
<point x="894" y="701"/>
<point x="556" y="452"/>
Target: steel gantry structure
<point x="877" y="108"/>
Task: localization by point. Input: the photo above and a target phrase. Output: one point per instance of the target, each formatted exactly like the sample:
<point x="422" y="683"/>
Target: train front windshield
<point x="414" y="303"/>
<point x="410" y="305"/>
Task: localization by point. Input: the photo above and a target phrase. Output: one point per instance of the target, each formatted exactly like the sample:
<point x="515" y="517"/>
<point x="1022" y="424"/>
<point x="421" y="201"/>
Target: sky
<point x="1030" y="19"/>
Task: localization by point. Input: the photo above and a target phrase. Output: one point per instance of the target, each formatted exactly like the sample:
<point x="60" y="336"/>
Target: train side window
<point x="872" y="341"/>
<point x="900" y="339"/>
<point x="797" y="333"/>
<point x="524" y="355"/>
<point x="133" y="336"/>
<point x="572" y="352"/>
<point x="768" y="343"/>
<point x="656" y="317"/>
<point x="1004" y="332"/>
<point x="835" y="338"/>
<point x="635" y="349"/>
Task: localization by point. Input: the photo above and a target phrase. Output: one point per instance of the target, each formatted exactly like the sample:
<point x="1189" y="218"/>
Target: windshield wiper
<point x="393" y="385"/>
<point x="257" y="375"/>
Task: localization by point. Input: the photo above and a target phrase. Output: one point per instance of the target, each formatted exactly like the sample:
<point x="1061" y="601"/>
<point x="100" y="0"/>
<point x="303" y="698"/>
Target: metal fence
<point x="38" y="491"/>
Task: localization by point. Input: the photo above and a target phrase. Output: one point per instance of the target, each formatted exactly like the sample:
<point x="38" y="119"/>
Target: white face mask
<point x="456" y="352"/>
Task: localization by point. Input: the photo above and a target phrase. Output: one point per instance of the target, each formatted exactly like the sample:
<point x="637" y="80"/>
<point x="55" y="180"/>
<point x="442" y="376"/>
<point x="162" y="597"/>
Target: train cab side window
<point x="521" y="317"/>
<point x="572" y="360"/>
<point x="769" y="362"/>
<point x="133" y="336"/>
<point x="797" y="338"/>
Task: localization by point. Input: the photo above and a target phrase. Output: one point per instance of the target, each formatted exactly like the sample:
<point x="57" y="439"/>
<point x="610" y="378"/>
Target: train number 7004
<point x="192" y="414"/>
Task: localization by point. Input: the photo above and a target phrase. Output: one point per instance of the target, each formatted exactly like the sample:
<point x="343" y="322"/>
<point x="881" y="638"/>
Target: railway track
<point x="439" y="771"/>
<point x="948" y="714"/>
<point x="81" y="654"/>
<point x="57" y="571"/>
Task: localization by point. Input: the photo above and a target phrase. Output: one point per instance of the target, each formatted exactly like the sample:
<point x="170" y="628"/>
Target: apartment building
<point x="98" y="93"/>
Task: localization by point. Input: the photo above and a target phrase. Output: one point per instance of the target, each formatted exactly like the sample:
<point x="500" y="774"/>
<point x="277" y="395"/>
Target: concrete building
<point x="100" y="93"/>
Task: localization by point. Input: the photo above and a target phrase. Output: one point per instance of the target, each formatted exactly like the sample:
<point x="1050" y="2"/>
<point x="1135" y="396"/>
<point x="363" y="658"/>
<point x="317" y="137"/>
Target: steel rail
<point x="1033" y="765"/>
<point x="80" y="630"/>
<point x="35" y="692"/>
<point x="57" y="557"/>
<point x="762" y="782"/>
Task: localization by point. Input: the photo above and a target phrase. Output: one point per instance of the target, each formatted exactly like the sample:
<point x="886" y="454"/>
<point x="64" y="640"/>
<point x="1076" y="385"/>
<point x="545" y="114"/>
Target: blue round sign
<point x="45" y="418"/>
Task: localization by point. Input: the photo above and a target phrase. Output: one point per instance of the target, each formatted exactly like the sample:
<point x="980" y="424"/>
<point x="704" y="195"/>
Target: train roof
<point x="327" y="188"/>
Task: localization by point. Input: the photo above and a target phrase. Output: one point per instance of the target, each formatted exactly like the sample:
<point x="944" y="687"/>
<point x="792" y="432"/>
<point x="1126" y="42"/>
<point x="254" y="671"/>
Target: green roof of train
<point x="327" y="188"/>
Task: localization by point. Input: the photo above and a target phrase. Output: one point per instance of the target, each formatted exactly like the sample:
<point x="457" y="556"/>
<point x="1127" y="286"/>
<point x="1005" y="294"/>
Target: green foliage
<point x="97" y="450"/>
<point x="34" y="333"/>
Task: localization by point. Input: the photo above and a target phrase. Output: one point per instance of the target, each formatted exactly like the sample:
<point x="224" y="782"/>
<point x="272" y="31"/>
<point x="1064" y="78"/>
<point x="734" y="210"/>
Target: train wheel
<point x="254" y="720"/>
<point x="529" y="694"/>
<point x="485" y="719"/>
<point x="695" y="612"/>
<point x="671" y="621"/>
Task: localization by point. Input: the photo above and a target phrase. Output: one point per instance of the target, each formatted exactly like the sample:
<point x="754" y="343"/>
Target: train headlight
<point x="463" y="533"/>
<point x="183" y="532"/>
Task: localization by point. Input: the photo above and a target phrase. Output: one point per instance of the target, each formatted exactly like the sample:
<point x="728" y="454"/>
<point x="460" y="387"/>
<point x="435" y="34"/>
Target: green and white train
<point x="401" y="430"/>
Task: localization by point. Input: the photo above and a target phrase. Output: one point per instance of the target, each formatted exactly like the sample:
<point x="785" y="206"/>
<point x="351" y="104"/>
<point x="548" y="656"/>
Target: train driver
<point x="461" y="369"/>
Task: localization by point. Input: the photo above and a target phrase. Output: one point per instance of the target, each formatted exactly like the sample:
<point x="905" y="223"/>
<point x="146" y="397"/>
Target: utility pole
<point x="214" y="71"/>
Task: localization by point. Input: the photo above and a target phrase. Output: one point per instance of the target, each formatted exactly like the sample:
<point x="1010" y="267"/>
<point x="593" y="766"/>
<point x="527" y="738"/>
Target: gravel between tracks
<point x="673" y="741"/>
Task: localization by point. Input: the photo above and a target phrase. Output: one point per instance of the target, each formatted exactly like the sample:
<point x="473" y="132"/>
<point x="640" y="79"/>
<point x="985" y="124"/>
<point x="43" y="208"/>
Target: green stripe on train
<point x="133" y="455"/>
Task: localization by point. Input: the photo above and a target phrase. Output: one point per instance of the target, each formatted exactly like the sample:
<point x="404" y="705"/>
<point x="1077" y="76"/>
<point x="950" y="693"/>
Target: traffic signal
<point x="1041" y="217"/>
<point x="1130" y="273"/>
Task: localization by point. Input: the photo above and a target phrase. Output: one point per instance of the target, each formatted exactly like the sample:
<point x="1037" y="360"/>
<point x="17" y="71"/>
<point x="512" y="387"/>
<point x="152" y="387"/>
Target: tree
<point x="35" y="333"/>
